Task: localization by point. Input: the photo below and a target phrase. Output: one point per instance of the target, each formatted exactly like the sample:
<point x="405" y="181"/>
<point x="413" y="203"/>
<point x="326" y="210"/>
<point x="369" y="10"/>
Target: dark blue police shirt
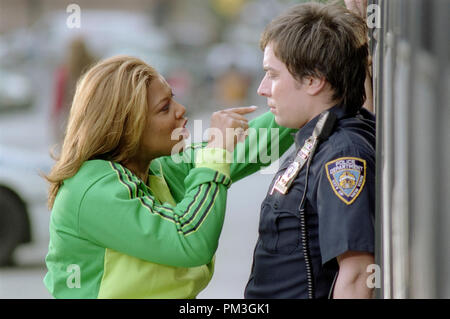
<point x="339" y="213"/>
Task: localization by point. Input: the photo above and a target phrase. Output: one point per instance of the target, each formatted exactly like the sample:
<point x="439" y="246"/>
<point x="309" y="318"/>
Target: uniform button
<point x="275" y="205"/>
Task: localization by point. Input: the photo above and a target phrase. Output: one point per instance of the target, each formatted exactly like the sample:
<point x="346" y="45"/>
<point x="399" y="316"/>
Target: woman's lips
<point x="184" y="131"/>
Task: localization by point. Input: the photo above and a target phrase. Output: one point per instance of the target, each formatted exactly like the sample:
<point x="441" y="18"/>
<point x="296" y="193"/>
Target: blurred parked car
<point x="15" y="91"/>
<point x="23" y="194"/>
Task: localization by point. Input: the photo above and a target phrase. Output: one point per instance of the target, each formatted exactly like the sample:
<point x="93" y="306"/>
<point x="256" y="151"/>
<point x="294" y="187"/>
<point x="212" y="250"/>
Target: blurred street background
<point x="207" y="50"/>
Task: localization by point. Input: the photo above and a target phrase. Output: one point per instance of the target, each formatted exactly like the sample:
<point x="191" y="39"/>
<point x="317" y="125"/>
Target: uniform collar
<point x="307" y="130"/>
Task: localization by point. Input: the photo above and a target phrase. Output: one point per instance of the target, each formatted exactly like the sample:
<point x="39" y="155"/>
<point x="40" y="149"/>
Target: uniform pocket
<point x="267" y="228"/>
<point x="288" y="232"/>
<point x="279" y="231"/>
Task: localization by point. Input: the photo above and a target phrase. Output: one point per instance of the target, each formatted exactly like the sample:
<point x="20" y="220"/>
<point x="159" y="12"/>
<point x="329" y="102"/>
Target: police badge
<point x="284" y="181"/>
<point x="347" y="176"/>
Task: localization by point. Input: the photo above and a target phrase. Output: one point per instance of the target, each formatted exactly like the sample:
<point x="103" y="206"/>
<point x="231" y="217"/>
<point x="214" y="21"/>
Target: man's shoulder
<point x="354" y="133"/>
<point x="351" y="139"/>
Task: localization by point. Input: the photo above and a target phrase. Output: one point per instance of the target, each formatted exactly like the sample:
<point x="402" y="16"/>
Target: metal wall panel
<point x="411" y="96"/>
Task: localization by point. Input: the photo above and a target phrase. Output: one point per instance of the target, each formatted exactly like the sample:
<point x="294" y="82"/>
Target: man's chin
<point x="286" y="124"/>
<point x="277" y="120"/>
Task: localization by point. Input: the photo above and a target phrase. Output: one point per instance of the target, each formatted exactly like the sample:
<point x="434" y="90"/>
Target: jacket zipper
<point x="304" y="234"/>
<point x="306" y="256"/>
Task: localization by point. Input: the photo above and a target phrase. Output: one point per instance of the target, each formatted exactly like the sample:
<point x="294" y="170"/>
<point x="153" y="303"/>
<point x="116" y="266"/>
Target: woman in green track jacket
<point x="128" y="219"/>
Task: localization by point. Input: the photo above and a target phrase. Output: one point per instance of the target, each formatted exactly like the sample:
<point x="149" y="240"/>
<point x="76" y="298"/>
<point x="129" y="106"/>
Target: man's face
<point x="286" y="97"/>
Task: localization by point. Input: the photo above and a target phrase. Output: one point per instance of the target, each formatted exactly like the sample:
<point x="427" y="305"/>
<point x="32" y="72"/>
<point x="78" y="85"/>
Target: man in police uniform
<point x="316" y="232"/>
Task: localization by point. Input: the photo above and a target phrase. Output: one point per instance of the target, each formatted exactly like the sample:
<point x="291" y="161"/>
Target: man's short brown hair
<point x="319" y="40"/>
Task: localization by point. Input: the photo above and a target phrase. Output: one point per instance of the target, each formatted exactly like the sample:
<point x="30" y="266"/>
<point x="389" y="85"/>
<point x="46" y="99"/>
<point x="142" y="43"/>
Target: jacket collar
<point x="307" y="130"/>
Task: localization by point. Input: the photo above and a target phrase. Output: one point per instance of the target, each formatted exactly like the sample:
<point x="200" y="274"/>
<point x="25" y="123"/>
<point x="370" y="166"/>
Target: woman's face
<point x="166" y="123"/>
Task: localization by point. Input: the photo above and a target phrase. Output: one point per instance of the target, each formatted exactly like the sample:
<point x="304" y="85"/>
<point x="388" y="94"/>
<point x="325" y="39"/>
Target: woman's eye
<point x="166" y="107"/>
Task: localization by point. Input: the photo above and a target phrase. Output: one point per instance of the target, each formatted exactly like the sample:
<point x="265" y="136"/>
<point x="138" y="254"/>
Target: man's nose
<point x="264" y="87"/>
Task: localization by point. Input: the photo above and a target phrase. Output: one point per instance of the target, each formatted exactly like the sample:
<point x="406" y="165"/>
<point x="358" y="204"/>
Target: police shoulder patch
<point x="347" y="176"/>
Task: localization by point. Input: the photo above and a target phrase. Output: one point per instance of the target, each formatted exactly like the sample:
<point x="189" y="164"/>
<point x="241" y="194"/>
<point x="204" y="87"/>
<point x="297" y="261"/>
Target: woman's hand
<point x="228" y="127"/>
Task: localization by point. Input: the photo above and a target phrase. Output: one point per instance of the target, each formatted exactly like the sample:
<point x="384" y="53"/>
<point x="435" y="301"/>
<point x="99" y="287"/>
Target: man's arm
<point x="351" y="282"/>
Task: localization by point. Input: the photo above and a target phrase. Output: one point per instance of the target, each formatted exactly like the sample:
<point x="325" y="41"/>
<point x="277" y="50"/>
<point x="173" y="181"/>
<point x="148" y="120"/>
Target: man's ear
<point x="314" y="85"/>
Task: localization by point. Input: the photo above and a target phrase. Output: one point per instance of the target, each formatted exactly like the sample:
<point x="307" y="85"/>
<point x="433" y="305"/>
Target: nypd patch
<point x="347" y="176"/>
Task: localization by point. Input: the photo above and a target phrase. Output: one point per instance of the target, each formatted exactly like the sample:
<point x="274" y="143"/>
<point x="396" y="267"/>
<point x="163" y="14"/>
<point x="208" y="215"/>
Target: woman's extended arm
<point x="118" y="213"/>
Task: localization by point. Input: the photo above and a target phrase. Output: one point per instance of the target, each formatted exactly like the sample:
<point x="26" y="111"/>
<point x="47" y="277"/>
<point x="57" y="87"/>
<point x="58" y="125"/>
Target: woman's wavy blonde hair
<point x="107" y="117"/>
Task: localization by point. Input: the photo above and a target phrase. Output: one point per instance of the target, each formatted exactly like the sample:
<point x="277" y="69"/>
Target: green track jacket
<point x="113" y="236"/>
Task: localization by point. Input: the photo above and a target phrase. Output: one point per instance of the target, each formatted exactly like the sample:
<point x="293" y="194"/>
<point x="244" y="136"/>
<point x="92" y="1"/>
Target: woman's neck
<point x="139" y="168"/>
